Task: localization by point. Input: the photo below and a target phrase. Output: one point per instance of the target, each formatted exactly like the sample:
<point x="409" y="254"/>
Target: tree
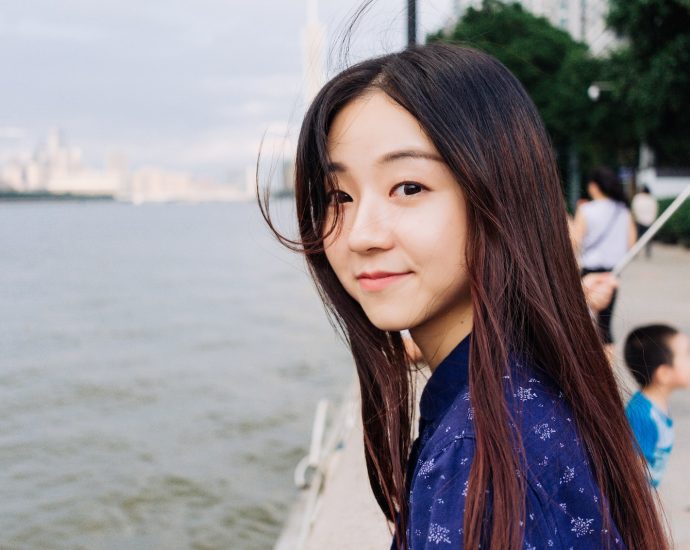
<point x="556" y="70"/>
<point x="653" y="72"/>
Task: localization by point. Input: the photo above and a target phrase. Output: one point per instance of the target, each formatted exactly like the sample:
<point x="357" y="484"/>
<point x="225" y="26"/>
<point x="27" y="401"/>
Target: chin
<point x="391" y="327"/>
<point x="388" y="322"/>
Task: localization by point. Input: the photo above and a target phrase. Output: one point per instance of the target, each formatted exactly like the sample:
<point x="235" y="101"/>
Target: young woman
<point x="603" y="231"/>
<point x="428" y="199"/>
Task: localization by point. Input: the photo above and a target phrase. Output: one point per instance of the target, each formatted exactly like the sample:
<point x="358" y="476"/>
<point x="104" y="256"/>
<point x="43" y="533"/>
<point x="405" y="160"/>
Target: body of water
<point x="159" y="369"/>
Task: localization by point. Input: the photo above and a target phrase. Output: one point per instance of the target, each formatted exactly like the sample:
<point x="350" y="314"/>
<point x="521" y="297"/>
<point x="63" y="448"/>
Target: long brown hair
<point x="526" y="292"/>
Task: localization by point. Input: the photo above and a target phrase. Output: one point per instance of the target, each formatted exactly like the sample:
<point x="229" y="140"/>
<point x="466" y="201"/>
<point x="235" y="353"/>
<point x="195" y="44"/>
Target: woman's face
<point x="593" y="190"/>
<point x="400" y="248"/>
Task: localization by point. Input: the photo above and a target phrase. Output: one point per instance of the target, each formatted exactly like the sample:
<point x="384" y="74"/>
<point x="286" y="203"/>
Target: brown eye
<point x="338" y="197"/>
<point x="408" y="188"/>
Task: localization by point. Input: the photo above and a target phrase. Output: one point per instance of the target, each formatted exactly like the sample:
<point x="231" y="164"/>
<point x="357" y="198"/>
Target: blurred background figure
<point x="659" y="360"/>
<point x="644" y="209"/>
<point x="599" y="289"/>
<point x="603" y="231"/>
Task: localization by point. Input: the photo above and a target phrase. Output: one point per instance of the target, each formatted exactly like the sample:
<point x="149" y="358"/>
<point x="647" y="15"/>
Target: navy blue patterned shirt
<point x="563" y="502"/>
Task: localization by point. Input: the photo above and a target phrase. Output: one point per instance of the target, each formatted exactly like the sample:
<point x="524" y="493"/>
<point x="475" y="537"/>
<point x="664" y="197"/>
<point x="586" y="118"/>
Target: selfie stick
<point x="644" y="239"/>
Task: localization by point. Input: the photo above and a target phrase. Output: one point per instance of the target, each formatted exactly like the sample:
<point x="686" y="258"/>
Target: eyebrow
<point x="391" y="157"/>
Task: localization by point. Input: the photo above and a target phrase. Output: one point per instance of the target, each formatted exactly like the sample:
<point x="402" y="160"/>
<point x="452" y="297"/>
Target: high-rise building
<point x="313" y="44"/>
<point x="585" y="20"/>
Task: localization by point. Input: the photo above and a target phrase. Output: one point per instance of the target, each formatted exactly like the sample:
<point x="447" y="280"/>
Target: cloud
<point x="13" y="133"/>
<point x="274" y="85"/>
<point x="42" y="30"/>
<point x="255" y="108"/>
<point x="238" y="145"/>
<point x="191" y="86"/>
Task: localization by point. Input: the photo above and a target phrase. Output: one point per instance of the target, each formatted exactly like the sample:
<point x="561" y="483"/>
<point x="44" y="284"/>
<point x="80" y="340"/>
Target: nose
<point x="371" y="226"/>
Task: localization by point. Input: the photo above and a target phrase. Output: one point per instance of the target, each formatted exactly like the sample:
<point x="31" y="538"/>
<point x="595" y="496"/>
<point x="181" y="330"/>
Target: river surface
<point x="159" y="370"/>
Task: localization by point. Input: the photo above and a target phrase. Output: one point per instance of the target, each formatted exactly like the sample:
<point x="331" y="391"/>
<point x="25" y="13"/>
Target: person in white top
<point x="645" y="209"/>
<point x="603" y="231"/>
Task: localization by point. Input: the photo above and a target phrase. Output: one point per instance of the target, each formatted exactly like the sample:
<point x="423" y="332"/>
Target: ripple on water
<point x="254" y="524"/>
<point x="159" y="491"/>
<point x="231" y="427"/>
<point x="163" y="402"/>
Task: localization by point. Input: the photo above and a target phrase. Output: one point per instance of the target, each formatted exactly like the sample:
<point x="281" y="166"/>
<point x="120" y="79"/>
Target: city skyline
<point x="58" y="169"/>
<point x="191" y="88"/>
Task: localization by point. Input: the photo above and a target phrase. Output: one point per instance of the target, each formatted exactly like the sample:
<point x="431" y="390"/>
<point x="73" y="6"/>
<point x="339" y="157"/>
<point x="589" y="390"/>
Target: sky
<point x="177" y="84"/>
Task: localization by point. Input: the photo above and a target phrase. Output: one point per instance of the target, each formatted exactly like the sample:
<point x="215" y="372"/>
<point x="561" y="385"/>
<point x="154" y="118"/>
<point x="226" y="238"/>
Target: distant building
<point x="12" y="176"/>
<point x="585" y="20"/>
<point x="250" y="180"/>
<point x="313" y="45"/>
<point x="155" y="185"/>
<point x="664" y="182"/>
<point x="58" y="169"/>
<point x="289" y="175"/>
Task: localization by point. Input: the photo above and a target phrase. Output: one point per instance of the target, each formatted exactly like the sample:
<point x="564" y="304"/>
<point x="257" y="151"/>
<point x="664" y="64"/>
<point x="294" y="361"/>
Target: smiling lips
<point x="379" y="280"/>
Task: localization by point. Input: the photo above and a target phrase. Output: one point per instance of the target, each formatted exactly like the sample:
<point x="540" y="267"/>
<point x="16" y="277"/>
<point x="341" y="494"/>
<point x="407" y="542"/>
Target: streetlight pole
<point x="583" y="21"/>
<point x="411" y="23"/>
<point x="574" y="173"/>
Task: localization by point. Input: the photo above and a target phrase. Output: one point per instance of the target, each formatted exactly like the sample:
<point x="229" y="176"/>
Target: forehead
<point x="679" y="343"/>
<point x="372" y="125"/>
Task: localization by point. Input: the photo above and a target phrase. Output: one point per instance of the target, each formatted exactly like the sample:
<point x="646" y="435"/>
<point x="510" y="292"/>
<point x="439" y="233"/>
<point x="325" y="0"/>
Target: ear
<point x="663" y="375"/>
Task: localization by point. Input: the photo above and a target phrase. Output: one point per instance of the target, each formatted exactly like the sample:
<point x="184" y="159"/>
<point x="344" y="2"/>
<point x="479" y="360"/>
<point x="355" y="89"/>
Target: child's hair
<point x="646" y="349"/>
<point x="527" y="299"/>
<point x="609" y="183"/>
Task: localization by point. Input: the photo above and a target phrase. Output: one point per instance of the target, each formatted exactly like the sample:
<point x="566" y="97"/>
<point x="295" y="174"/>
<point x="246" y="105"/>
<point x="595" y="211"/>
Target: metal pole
<point x="411" y="23"/>
<point x="573" y="177"/>
<point x="647" y="236"/>
<point x="583" y="21"/>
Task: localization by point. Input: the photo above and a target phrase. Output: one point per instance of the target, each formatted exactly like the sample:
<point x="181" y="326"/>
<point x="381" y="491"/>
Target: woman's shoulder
<point x="539" y="409"/>
<point x="456" y="425"/>
<point x="547" y="428"/>
<point x="557" y="468"/>
<point x="599" y="206"/>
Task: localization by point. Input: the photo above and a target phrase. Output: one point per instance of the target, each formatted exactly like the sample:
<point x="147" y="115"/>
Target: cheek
<point x="334" y="256"/>
<point x="333" y="244"/>
<point x="687" y="372"/>
<point x="682" y="373"/>
<point x="442" y="269"/>
<point x="441" y="241"/>
<point x="337" y="256"/>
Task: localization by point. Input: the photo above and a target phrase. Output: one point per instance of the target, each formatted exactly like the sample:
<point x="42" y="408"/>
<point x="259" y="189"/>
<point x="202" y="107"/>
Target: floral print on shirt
<point x="562" y="501"/>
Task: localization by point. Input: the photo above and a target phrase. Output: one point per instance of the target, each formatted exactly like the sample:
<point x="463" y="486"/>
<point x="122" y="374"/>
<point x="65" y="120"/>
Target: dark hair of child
<point x="647" y="348"/>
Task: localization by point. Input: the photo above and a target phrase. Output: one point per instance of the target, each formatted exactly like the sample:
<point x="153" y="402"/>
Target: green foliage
<point x="677" y="228"/>
<point x="556" y="70"/>
<point x="541" y="56"/>
<point x="653" y="76"/>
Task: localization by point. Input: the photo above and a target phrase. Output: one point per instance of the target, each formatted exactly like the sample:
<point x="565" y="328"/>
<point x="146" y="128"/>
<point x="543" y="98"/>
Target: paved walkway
<point x="651" y="291"/>
<point x="657" y="290"/>
<point x="349" y="517"/>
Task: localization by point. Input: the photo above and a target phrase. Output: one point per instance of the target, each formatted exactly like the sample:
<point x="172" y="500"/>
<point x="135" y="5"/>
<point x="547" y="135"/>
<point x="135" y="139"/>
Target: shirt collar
<point x="446" y="382"/>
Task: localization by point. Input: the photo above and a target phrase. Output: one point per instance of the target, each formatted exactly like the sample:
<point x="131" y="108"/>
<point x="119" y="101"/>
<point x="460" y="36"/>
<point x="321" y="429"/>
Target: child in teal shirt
<point x="659" y="358"/>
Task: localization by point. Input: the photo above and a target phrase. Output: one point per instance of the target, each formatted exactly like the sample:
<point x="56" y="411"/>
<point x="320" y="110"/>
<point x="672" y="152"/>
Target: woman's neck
<point x="438" y="337"/>
<point x="596" y="194"/>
